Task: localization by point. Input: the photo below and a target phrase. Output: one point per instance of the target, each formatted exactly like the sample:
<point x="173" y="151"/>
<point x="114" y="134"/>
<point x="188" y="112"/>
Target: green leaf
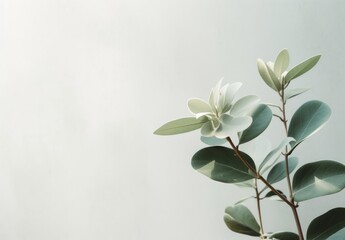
<point x="281" y="63"/>
<point x="318" y="179"/>
<point x="274" y="155"/>
<point x="265" y="75"/>
<point x="284" y="236"/>
<point x="273" y="196"/>
<point x="222" y="164"/>
<point x="340" y="235"/>
<point x="181" y="125"/>
<point x="213" y="141"/>
<point x="246" y="184"/>
<point x="327" y="225"/>
<point x="278" y="172"/>
<point x="302" y="68"/>
<point x="239" y="219"/>
<point x="262" y="116"/>
<point x="290" y="93"/>
<point x="307" y="120"/>
<point x="274" y="78"/>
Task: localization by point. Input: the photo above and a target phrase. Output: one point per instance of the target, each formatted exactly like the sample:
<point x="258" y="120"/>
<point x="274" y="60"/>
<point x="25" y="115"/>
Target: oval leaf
<point x="262" y="116"/>
<point x="285" y="236"/>
<point x="290" y="93"/>
<point x="327" y="225"/>
<point x="273" y="196"/>
<point x="318" y="179"/>
<point x="307" y="120"/>
<point x="274" y="155"/>
<point x="239" y="219"/>
<point x="213" y="141"/>
<point x="244" y="105"/>
<point x="282" y="62"/>
<point x="274" y="78"/>
<point x="265" y="75"/>
<point x="278" y="172"/>
<point x="221" y="164"/>
<point x="181" y="125"/>
<point x="302" y="68"/>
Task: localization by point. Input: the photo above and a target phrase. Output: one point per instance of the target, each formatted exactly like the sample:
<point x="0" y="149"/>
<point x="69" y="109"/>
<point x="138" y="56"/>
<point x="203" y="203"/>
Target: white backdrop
<point x="84" y="83"/>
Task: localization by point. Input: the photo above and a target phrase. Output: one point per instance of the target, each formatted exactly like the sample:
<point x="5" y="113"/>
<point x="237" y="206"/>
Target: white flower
<point x="225" y="118"/>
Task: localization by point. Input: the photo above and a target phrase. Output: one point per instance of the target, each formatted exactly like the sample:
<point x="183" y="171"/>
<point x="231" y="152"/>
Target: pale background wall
<point x="84" y="83"/>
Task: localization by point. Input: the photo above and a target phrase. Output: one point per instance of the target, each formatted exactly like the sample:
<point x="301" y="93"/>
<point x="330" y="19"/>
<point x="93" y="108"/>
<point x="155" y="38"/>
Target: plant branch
<point x="257" y="175"/>
<point x="286" y="155"/>
<point x="262" y="232"/>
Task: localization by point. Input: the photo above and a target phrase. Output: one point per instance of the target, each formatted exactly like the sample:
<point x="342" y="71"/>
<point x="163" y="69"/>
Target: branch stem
<point x="286" y="155"/>
<point x="257" y="175"/>
<point x="262" y="232"/>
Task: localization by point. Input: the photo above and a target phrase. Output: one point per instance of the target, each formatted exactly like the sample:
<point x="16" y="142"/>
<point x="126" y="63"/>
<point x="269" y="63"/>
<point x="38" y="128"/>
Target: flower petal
<point x="244" y="105"/>
<point x="197" y="105"/>
<point x="230" y="94"/>
<point x="232" y="125"/>
<point x="207" y="130"/>
<point x="214" y="95"/>
<point x="222" y="98"/>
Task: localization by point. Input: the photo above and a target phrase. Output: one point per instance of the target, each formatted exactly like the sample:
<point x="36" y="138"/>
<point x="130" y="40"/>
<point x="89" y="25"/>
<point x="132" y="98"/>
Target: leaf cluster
<point x="235" y="165"/>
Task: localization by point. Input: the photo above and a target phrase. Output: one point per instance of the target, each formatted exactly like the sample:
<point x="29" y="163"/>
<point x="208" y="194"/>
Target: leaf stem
<point x="262" y="232"/>
<point x="257" y="175"/>
<point x="286" y="155"/>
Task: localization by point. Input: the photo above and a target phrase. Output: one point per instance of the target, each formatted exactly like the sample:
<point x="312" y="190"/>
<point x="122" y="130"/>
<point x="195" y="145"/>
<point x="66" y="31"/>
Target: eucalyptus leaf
<point x="274" y="78"/>
<point x="282" y="62"/>
<point x="284" y="236"/>
<point x="340" y="235"/>
<point x="244" y="199"/>
<point x="244" y="105"/>
<point x="240" y="219"/>
<point x="265" y="75"/>
<point x="213" y="141"/>
<point x="246" y="184"/>
<point x="181" y="125"/>
<point x="327" y="225"/>
<point x="302" y="68"/>
<point x="273" y="196"/>
<point x="278" y="172"/>
<point x="290" y="93"/>
<point x="262" y="116"/>
<point x="318" y="179"/>
<point x="308" y="119"/>
<point x="222" y="164"/>
<point x="274" y="155"/>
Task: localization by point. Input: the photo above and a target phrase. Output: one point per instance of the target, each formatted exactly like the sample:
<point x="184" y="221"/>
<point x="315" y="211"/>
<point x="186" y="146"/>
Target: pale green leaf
<point x="274" y="155"/>
<point x="318" y="179"/>
<point x="302" y="68"/>
<point x="213" y="141"/>
<point x="240" y="219"/>
<point x="281" y="63"/>
<point x="308" y="119"/>
<point x="244" y="105"/>
<point x="290" y="93"/>
<point x="222" y="164"/>
<point x="263" y="71"/>
<point x="181" y="125"/>
<point x="284" y="236"/>
<point x="262" y="116"/>
<point x="278" y="172"/>
<point x="197" y="106"/>
<point x="327" y="225"/>
<point x="243" y="199"/>
<point x="274" y="78"/>
<point x="246" y="184"/>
